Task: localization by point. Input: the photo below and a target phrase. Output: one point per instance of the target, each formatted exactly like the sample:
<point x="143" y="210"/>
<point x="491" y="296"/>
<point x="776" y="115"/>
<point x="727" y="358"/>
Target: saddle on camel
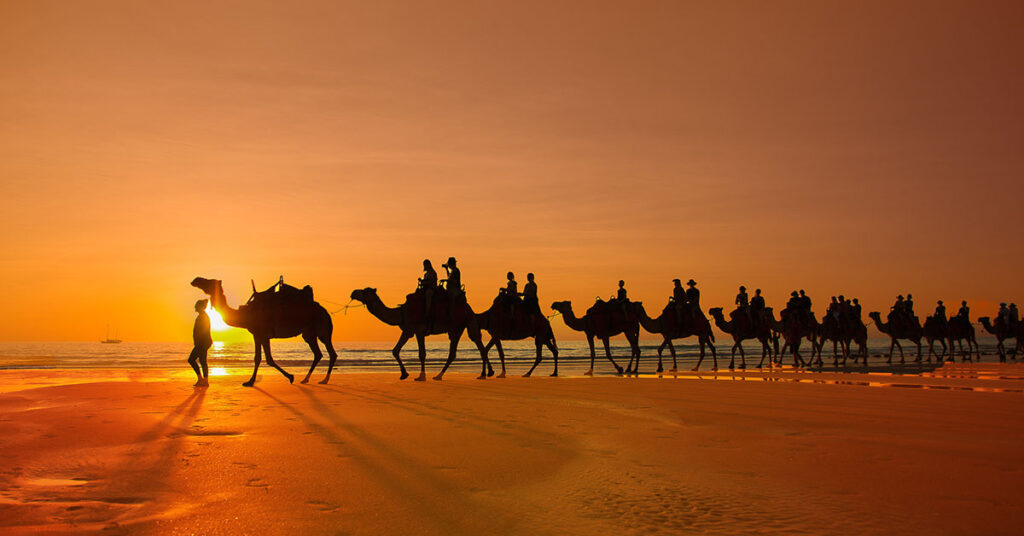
<point x="607" y="314"/>
<point x="282" y="302"/>
<point x="446" y="307"/>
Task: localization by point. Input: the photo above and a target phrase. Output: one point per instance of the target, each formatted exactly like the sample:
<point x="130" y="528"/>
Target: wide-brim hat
<point x="691" y="282"/>
<point x="451" y="260"/>
<point x="676" y="280"/>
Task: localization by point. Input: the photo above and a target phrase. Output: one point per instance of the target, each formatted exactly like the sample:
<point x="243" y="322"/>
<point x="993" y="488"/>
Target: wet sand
<point x="755" y="453"/>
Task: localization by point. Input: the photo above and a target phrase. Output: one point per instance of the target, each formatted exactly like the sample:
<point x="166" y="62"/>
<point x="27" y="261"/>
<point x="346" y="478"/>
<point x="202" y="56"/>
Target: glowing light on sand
<point x="216" y="322"/>
<point x="218" y="371"/>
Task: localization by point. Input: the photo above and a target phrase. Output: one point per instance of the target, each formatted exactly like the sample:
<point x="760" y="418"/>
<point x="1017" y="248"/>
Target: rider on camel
<point x="530" y="302"/>
<point x="621" y="299"/>
<point x="1014" y="315"/>
<point x="693" y="297"/>
<point x="805" y="306"/>
<point x="940" y="312"/>
<point x="678" y="299"/>
<point x="1003" y="318"/>
<point x="757" y="307"/>
<point x="428" y="283"/>
<point x="453" y="285"/>
<point x="965" y="311"/>
<point x="908" y="307"/>
<point x="743" y="304"/>
<point x="855" y="311"/>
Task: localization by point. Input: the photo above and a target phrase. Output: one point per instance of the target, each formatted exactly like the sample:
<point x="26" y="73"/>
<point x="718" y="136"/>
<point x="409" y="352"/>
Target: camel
<point x="860" y="336"/>
<point x="310" y="320"/>
<point x="936" y="330"/>
<point x="831" y="329"/>
<point x="793" y="331"/>
<point x="960" y="330"/>
<point x="501" y="327"/>
<point x="1001" y="332"/>
<point x="670" y="328"/>
<point x="912" y="333"/>
<point x="596" y="323"/>
<point x="410" y="317"/>
<point x="740" y="333"/>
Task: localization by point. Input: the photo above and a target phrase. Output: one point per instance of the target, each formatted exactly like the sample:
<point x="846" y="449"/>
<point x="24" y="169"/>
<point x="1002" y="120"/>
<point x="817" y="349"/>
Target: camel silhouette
<point x="912" y="332"/>
<point x="602" y="321"/>
<point x="935" y="330"/>
<point x="741" y="330"/>
<point x="308" y="319"/>
<point x="1001" y="333"/>
<point x="412" y="319"/>
<point x="668" y="325"/>
<point x="960" y="331"/>
<point x="502" y="326"/>
<point x="831" y="329"/>
<point x="793" y="330"/>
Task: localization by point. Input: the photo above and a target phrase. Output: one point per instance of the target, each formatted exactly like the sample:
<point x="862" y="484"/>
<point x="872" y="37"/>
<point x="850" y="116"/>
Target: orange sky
<point x="871" y="149"/>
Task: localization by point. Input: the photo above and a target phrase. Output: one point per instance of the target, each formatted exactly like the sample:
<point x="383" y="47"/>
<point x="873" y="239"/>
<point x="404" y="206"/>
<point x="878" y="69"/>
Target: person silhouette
<point x="757" y="307"/>
<point x="1003" y="317"/>
<point x="429" y="285"/>
<point x="1014" y="315"/>
<point x="908" y="307"/>
<point x="743" y="304"/>
<point x="530" y="302"/>
<point x="855" y="311"/>
<point x="965" y="311"/>
<point x="693" y="297"/>
<point x="678" y="299"/>
<point x="940" y="311"/>
<point x="453" y="285"/>
<point x="201" y="341"/>
<point x="621" y="299"/>
<point x="805" y="306"/>
<point x="511" y="295"/>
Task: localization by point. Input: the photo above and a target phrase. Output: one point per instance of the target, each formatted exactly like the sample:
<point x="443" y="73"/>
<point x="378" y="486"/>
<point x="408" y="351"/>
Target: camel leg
<point x="397" y="350"/>
<point x="608" y="354"/>
<point x="732" y="355"/>
<point x="453" y="348"/>
<point x="271" y="362"/>
<point x="539" y="343"/>
<point x="257" y="359"/>
<point x="764" y="351"/>
<point x="310" y="339"/>
<point x="743" y="359"/>
<point x="672" y="350"/>
<point x="701" y="359"/>
<point x="661" y="348"/>
<point x="553" y="346"/>
<point x="422" y="350"/>
<point x="634" y="346"/>
<point x="900" y="348"/>
<point x="593" y="355"/>
<point x="332" y="357"/>
<point x="501" y="356"/>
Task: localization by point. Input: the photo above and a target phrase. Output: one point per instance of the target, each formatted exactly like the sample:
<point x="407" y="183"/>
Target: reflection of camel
<point x="741" y="332"/>
<point x="602" y="326"/>
<point x="935" y="330"/>
<point x="1001" y="332"/>
<point x="912" y="333"/>
<point x="504" y="327"/>
<point x="961" y="330"/>
<point x="670" y="328"/>
<point x="413" y="322"/>
<point x="308" y="319"/>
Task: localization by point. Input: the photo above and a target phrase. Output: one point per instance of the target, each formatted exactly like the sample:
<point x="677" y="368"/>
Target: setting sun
<point x="216" y="322"/>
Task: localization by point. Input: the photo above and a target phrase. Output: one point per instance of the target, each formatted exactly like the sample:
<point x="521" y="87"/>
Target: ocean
<point x="375" y="356"/>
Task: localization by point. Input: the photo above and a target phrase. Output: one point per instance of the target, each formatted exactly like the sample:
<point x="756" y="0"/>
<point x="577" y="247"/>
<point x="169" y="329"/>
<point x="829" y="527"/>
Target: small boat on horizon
<point x="108" y="340"/>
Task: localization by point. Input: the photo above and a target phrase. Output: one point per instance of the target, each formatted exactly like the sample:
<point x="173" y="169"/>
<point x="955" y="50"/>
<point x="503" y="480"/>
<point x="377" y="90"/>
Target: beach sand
<point x="758" y="453"/>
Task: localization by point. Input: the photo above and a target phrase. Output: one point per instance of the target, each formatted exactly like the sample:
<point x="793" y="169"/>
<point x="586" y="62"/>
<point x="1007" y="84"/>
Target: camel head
<point x="208" y="286"/>
<point x="638" y="307"/>
<point x="562" y="306"/>
<point x="876" y="315"/>
<point x="364" y="294"/>
<point x="716" y="312"/>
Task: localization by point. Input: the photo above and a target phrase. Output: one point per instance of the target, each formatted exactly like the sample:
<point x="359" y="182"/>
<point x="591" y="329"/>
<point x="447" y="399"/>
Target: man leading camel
<point x="202" y="341"/>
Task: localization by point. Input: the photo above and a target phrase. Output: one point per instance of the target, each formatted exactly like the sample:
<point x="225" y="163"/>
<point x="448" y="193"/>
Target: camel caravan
<point x="439" y="307"/>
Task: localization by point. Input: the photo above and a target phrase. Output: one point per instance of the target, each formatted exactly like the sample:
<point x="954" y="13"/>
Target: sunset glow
<point x="216" y="321"/>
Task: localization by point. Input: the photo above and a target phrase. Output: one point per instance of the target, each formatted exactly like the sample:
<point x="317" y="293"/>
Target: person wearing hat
<point x="693" y="296"/>
<point x="908" y="306"/>
<point x="855" y="311"/>
<point x="1014" y="315"/>
<point x="428" y="283"/>
<point x="453" y="285"/>
<point x="202" y="341"/>
<point x="805" y="305"/>
<point x="793" y="305"/>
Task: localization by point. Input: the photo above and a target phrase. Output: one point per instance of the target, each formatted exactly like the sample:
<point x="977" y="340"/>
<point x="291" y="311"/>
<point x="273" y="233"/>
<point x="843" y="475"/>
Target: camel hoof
<point x="619" y="369"/>
<point x="404" y="375"/>
<point x="323" y="381"/>
<point x="291" y="379"/>
<point x="502" y="375"/>
<point x="304" y="381"/>
<point x="489" y="373"/>
<point x="694" y="369"/>
<point x="438" y="378"/>
<point x="714" y="369"/>
<point x="527" y="375"/>
<point x="589" y="372"/>
<point x="482" y="377"/>
<point x="554" y="374"/>
<point x="248" y="384"/>
<point x="421" y="378"/>
<point x="743" y="367"/>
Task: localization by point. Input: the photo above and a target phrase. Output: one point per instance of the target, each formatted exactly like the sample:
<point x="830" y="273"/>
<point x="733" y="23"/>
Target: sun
<point x="216" y="322"/>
